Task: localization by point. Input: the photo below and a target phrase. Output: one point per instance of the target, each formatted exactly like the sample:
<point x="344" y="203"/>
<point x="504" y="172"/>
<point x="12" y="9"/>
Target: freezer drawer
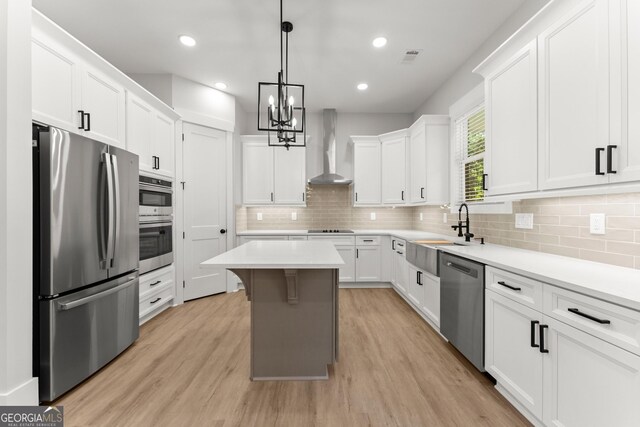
<point x="83" y="331"/>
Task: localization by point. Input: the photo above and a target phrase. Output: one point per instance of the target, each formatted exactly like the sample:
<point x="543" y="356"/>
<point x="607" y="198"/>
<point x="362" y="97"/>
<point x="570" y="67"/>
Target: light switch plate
<point x="294" y="216"/>
<point x="259" y="216"/>
<point x="421" y="216"/>
<point x="524" y="220"/>
<point x="373" y="216"/>
<point x="444" y="218"/>
<point x="597" y="223"/>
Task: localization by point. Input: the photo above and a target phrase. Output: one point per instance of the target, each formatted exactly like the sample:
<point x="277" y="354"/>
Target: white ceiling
<point x="330" y="47"/>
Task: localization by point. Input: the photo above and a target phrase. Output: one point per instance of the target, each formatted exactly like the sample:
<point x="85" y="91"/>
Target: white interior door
<point x="205" y="176"/>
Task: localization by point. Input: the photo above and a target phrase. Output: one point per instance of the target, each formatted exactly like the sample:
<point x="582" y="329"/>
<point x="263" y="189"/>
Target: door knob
<point x="222" y="231"/>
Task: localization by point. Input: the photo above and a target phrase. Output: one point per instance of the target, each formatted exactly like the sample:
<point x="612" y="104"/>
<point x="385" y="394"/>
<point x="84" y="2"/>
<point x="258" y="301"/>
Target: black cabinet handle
<point x="81" y="119"/>
<point x="357" y="253"/>
<point x="419" y="278"/>
<point x="588" y="316"/>
<point x="484" y="181"/>
<point x="356" y="197"/>
<point x="513" y="288"/>
<point x="272" y="197"/>
<point x="542" y="348"/>
<point x="158" y="160"/>
<point x="88" y="128"/>
<point x="422" y="192"/>
<point x="367" y="240"/>
<point x="155" y="300"/>
<point x="393" y="245"/>
<point x="303" y="197"/>
<point x="598" y="151"/>
<point x="223" y="231"/>
<point x="610" y="158"/>
<point x="402" y="195"/>
<point x="534" y="323"/>
<point x="155" y="283"/>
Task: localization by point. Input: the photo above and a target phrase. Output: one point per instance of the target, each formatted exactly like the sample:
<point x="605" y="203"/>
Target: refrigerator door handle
<point x="110" y="210"/>
<point x="86" y="300"/>
<point x="116" y="206"/>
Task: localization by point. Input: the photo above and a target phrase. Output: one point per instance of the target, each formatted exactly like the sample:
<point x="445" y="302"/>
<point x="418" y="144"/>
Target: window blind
<point x="470" y="143"/>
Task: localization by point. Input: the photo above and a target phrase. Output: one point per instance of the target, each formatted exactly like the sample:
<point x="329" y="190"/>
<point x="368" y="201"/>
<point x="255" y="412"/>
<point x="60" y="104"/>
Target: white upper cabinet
<point x="272" y="175"/>
<point x="512" y="125"/>
<point x="428" y="161"/>
<point x="394" y="170"/>
<point x="624" y="149"/>
<point x="366" y="170"/>
<point x="151" y="136"/>
<point x="290" y="179"/>
<point x="257" y="173"/>
<point x="103" y="103"/>
<point x="55" y="84"/>
<point x="574" y="98"/>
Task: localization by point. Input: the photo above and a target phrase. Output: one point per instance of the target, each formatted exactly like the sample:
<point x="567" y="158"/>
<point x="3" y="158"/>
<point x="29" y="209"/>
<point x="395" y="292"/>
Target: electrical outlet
<point x="524" y="220"/>
<point x="294" y="216"/>
<point x="444" y="218"/>
<point x="259" y="216"/>
<point x="373" y="216"/>
<point x="421" y="216"/>
<point x="597" y="224"/>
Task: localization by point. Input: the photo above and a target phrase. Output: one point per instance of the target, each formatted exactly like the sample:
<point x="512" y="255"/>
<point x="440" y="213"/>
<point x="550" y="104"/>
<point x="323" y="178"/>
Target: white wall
<point x="463" y="80"/>
<point x="17" y="386"/>
<point x="202" y="104"/>
<point x="348" y="124"/>
<point x="161" y="85"/>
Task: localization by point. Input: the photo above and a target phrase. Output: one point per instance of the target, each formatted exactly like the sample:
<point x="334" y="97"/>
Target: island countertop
<point x="279" y="254"/>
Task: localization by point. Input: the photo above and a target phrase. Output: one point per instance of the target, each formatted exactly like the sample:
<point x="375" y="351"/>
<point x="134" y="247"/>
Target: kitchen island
<point x="293" y="290"/>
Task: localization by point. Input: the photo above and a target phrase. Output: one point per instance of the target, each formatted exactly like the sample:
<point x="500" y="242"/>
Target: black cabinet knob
<point x="222" y="231"/>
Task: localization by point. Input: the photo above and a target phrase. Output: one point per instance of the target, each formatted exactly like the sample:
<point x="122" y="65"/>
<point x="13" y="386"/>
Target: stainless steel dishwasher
<point x="462" y="306"/>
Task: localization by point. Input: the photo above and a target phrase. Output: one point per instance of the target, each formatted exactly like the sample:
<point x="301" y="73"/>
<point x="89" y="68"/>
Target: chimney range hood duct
<point x="329" y="175"/>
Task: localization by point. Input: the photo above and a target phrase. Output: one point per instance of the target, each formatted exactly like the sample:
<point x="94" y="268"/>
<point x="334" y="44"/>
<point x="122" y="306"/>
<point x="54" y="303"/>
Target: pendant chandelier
<point x="281" y="105"/>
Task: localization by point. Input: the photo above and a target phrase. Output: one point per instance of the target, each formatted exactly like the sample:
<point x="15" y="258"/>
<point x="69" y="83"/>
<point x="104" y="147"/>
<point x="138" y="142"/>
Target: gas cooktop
<point x="330" y="231"/>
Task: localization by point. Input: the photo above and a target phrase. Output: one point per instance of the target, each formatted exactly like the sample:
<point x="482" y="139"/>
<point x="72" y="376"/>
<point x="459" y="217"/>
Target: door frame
<point x="178" y="200"/>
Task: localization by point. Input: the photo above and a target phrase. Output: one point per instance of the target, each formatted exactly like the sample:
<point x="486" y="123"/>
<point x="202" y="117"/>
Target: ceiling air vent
<point x="410" y="55"/>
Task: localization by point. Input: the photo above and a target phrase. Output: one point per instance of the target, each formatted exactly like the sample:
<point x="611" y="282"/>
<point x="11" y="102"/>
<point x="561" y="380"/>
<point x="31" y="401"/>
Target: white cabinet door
<point x="140" y="130"/>
<point x="415" y="291"/>
<point x="257" y="173"/>
<point x="573" y="93"/>
<point x="163" y="144"/>
<point x="510" y="330"/>
<point x="511" y="125"/>
<point x="104" y="102"/>
<point x="587" y="381"/>
<point x="431" y="299"/>
<point x="290" y="176"/>
<point x="55" y="78"/>
<point x="437" y="164"/>
<point x="367" y="173"/>
<point x="625" y="101"/>
<point x="348" y="271"/>
<point x="368" y="261"/>
<point x="394" y="171"/>
<point x="417" y="166"/>
<point x="401" y="273"/>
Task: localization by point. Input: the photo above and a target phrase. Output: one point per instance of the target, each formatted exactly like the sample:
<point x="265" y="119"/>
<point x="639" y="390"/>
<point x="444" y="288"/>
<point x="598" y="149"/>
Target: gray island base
<point x="292" y="287"/>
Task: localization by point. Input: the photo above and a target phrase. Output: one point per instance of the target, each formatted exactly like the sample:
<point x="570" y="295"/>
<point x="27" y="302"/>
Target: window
<point x="470" y="138"/>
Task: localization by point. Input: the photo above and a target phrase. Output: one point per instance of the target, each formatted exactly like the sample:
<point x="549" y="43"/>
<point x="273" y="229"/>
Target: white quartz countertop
<point x="611" y="283"/>
<point x="269" y="254"/>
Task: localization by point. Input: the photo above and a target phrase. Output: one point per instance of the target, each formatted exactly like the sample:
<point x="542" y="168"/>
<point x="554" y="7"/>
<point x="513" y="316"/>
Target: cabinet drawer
<point x="513" y="286"/>
<point x="155" y="301"/>
<point x="618" y="325"/>
<point x="155" y="280"/>
<point x="337" y="240"/>
<point x="368" y="240"/>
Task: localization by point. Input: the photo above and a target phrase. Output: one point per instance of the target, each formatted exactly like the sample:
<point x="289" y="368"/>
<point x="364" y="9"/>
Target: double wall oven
<point x="156" y="223"/>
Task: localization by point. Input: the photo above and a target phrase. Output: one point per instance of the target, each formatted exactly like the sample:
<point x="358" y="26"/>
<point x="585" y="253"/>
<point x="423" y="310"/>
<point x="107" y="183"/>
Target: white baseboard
<point x="364" y="285"/>
<point x="23" y="395"/>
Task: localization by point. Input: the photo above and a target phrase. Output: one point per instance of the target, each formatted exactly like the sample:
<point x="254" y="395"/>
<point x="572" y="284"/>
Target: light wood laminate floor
<point x="190" y="367"/>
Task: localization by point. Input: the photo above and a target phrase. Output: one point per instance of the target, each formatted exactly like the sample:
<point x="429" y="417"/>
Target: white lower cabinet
<point x="400" y="268"/>
<point x="431" y="300"/>
<point x="368" y="261"/>
<point x="348" y="272"/>
<point x="510" y="356"/>
<point x="415" y="292"/>
<point x="552" y="367"/>
<point x="157" y="292"/>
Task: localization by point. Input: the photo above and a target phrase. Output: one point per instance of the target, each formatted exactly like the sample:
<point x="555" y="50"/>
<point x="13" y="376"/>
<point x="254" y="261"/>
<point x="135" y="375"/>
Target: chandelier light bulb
<point x="291" y="100"/>
<point x="271" y="100"/>
<point x="294" y="122"/>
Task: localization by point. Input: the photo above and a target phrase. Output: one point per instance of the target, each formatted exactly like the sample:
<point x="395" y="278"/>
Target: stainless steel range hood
<point x="329" y="175"/>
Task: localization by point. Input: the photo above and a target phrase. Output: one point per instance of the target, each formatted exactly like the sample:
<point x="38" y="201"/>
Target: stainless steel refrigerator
<point x="85" y="257"/>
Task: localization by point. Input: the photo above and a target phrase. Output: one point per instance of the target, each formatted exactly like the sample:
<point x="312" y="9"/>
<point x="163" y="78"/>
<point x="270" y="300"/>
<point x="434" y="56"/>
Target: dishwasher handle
<point x="462" y="269"/>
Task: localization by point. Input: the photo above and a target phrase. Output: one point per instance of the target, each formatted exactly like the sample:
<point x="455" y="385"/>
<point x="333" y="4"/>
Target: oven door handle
<point x="156" y="188"/>
<point x="156" y="224"/>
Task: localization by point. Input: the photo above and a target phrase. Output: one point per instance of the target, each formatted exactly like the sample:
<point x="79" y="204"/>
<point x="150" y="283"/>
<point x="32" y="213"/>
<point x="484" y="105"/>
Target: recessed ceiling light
<point x="221" y="85"/>
<point x="187" y="40"/>
<point x="363" y="86"/>
<point x="379" y="41"/>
